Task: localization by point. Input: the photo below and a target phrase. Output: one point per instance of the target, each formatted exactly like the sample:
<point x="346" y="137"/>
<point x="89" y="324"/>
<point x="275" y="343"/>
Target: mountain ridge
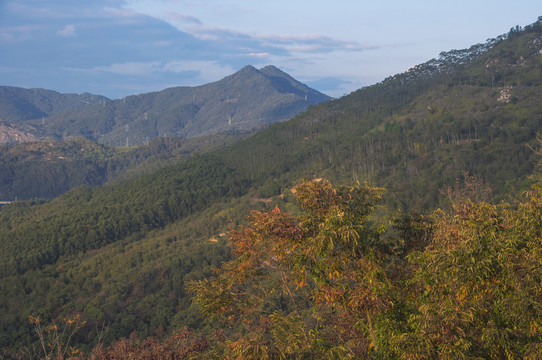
<point x="21" y="104"/>
<point x="246" y="100"/>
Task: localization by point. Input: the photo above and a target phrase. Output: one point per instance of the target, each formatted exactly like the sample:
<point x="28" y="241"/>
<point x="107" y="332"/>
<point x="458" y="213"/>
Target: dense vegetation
<point x="47" y="169"/>
<point x="475" y="111"/>
<point x="72" y="224"/>
<point x="43" y="271"/>
<point x="330" y="283"/>
<point x="123" y="253"/>
<point x="20" y="105"/>
<point x="247" y="100"/>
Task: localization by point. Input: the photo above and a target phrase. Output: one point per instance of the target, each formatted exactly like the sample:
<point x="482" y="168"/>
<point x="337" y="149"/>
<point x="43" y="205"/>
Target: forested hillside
<point x="474" y="111"/>
<point x="47" y="169"/>
<point x="329" y="284"/>
<point x="19" y="105"/>
<point x="248" y="100"/>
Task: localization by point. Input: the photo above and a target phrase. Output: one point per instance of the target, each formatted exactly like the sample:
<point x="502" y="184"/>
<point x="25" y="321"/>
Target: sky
<point x="118" y="48"/>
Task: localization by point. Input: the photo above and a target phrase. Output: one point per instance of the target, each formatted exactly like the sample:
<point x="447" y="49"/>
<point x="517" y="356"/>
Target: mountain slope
<point x="47" y="169"/>
<point x="18" y="104"/>
<point x="475" y="111"/>
<point x="249" y="99"/>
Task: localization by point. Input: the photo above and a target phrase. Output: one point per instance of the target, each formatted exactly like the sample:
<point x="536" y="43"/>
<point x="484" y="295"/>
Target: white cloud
<point x="312" y="43"/>
<point x="18" y="33"/>
<point x="260" y="55"/>
<point x="123" y="13"/>
<point x="68" y="31"/>
<point x="182" y="18"/>
<point x="208" y="70"/>
<point x="306" y="43"/>
<point x="203" y="71"/>
<point x="131" y="68"/>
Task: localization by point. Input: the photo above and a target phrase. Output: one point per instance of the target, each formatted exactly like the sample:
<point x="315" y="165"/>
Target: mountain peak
<point x="249" y="69"/>
<point x="246" y="100"/>
<point x="271" y="70"/>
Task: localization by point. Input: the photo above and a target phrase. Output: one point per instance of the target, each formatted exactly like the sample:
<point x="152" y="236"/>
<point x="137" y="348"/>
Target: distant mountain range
<point x="249" y="99"/>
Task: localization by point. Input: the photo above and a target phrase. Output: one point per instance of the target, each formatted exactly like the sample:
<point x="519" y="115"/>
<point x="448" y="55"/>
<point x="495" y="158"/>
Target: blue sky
<point x="118" y="48"/>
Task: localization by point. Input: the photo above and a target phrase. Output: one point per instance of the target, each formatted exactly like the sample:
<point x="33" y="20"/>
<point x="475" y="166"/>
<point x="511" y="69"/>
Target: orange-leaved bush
<point x="303" y="286"/>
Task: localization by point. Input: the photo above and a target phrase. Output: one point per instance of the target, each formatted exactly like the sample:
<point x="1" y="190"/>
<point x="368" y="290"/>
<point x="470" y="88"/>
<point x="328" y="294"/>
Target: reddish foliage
<point x="180" y="345"/>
